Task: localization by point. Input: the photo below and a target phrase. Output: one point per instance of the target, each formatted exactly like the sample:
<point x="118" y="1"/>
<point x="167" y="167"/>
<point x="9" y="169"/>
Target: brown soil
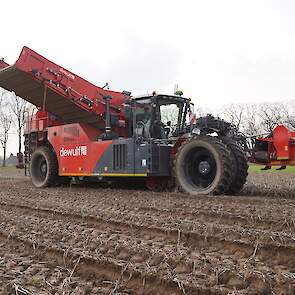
<point x="95" y="240"/>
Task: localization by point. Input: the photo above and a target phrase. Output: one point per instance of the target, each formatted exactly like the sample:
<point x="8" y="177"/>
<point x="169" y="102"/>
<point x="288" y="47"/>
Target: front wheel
<point x="203" y="166"/>
<point x="43" y="167"/>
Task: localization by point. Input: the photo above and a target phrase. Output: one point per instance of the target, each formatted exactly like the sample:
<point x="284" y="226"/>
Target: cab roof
<point x="161" y="96"/>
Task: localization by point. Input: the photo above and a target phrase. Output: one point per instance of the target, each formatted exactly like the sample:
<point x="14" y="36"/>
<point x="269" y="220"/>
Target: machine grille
<point x="156" y="159"/>
<point x="119" y="157"/>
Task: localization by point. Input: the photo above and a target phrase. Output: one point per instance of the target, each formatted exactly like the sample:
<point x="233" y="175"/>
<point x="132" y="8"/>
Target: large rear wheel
<point x="43" y="167"/>
<point x="203" y="166"/>
<point x="240" y="166"/>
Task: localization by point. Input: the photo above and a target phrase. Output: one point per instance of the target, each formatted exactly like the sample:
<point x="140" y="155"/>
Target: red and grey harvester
<point x="83" y="131"/>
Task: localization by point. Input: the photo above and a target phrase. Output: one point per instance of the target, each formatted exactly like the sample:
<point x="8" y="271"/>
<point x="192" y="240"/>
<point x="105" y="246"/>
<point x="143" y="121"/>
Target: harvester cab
<point x="159" y="117"/>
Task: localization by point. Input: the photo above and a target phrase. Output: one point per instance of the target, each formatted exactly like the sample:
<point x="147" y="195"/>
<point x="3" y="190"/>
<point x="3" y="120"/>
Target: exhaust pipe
<point x="108" y="134"/>
<point x="107" y="99"/>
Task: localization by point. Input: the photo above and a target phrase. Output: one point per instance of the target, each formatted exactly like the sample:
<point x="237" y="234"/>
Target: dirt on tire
<point x="97" y="240"/>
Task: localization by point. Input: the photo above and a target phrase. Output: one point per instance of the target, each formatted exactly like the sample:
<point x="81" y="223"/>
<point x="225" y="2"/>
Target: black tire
<point x="203" y="166"/>
<point x="44" y="167"/>
<point x="240" y="166"/>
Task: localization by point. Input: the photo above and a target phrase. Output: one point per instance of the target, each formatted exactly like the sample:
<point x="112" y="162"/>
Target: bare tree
<point x="288" y="110"/>
<point x="5" y="124"/>
<point x="252" y="124"/>
<point x="235" y="114"/>
<point x="258" y="119"/>
<point x="2" y="97"/>
<point x="271" y="115"/>
<point x="18" y="107"/>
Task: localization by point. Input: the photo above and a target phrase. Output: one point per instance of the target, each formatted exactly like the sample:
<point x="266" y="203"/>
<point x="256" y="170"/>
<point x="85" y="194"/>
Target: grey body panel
<point x="152" y="157"/>
<point x="126" y="156"/>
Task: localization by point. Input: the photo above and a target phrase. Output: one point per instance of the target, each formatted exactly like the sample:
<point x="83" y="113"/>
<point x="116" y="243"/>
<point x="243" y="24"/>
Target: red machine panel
<point x="77" y="148"/>
<point x="281" y="141"/>
<point x="40" y="121"/>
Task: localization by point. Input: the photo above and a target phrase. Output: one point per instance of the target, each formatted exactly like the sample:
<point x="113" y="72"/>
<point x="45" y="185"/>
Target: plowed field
<point x="98" y="240"/>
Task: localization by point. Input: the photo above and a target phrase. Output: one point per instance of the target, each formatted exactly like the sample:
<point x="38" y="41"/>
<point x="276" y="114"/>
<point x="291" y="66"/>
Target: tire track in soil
<point x="26" y="271"/>
<point x="89" y="267"/>
<point x="168" y="267"/>
<point x="256" y="206"/>
<point x="194" y="284"/>
<point x="283" y="227"/>
<point x="86" y="198"/>
<point x="271" y="223"/>
<point x="268" y="253"/>
<point x="170" y="197"/>
<point x="260" y="212"/>
<point x="228" y="218"/>
<point x="276" y="233"/>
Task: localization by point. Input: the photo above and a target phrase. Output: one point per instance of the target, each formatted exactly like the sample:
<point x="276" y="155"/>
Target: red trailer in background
<point x="278" y="149"/>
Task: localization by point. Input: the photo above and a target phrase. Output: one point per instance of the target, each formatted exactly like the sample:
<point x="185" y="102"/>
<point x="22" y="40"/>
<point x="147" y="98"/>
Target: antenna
<point x="106" y="86"/>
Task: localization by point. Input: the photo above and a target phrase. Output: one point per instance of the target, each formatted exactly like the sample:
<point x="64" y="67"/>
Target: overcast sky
<point x="218" y="52"/>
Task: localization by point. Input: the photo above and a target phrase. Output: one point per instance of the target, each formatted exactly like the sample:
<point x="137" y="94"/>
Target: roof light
<point x="127" y="93"/>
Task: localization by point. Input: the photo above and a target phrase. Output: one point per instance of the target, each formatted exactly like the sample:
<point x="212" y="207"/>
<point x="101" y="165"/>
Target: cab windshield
<point x="159" y="117"/>
<point x="171" y="114"/>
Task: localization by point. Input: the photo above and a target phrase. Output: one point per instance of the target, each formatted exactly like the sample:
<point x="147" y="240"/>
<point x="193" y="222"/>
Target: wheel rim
<point x="200" y="168"/>
<point x="40" y="169"/>
<point x="43" y="169"/>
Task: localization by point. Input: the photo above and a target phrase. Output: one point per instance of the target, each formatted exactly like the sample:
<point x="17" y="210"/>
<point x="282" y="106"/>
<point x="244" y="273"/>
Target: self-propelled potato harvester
<point x="84" y="131"/>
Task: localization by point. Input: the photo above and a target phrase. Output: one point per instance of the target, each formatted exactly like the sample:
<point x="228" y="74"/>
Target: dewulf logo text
<point x="74" y="152"/>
